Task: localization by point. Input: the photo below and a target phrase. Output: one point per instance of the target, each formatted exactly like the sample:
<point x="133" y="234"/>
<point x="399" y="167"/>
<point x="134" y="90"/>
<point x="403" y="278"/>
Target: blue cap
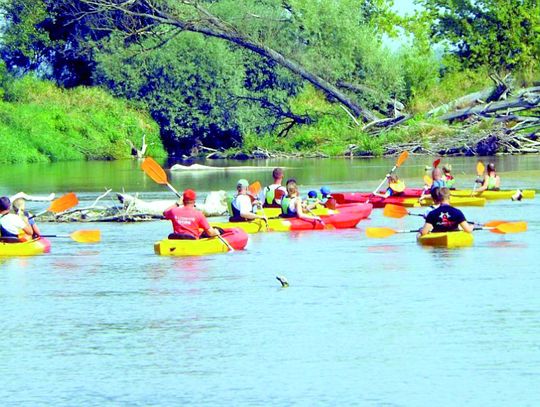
<point x="325" y="191"/>
<point x="312" y="194"/>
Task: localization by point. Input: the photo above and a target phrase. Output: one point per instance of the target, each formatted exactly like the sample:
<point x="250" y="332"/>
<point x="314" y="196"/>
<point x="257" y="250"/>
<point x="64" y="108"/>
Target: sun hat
<point x="242" y="183"/>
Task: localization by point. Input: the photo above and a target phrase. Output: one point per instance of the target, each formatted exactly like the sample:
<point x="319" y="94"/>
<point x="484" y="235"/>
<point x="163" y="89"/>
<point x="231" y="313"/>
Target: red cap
<point x="189" y="195"/>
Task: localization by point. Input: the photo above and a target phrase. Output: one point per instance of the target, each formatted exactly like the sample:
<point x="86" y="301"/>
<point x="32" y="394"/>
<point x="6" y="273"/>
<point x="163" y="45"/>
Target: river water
<point x="364" y="322"/>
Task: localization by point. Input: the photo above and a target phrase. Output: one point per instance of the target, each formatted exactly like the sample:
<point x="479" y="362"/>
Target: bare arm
<point x="300" y="212"/>
<point x="484" y="184"/>
<point x="466" y="226"/>
<point x="427" y="228"/>
<point x="212" y="231"/>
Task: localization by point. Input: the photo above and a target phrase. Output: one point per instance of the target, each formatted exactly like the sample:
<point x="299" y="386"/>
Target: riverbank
<point x="44" y="123"/>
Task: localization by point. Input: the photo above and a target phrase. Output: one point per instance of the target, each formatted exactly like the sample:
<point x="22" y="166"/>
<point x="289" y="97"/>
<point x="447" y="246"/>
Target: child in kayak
<point x="444" y="218"/>
<point x="12" y="226"/>
<point x="491" y="182"/>
<point x="291" y="205"/>
<point x="395" y="187"/>
<point x="19" y="205"/>
<point x="187" y="221"/>
<point x="447" y="176"/>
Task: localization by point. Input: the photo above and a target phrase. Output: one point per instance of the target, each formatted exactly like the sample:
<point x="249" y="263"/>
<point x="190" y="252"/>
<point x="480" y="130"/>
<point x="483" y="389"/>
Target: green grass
<point x="40" y="122"/>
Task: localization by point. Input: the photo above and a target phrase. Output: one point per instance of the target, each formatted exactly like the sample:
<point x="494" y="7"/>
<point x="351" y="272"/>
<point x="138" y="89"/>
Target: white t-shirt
<point x="242" y="203"/>
<point x="12" y="223"/>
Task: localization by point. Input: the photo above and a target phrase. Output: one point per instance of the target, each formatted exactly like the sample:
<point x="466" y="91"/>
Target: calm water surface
<point x="364" y="322"/>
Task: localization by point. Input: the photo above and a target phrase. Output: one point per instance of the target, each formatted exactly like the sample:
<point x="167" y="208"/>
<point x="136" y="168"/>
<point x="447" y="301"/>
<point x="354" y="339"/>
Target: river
<point x="364" y="322"/>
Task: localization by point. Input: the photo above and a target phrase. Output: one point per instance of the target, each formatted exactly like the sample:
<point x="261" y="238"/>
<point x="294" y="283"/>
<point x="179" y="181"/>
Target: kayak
<point x="236" y="237"/>
<point x="29" y="248"/>
<point x="343" y="220"/>
<point x="318" y="211"/>
<point x="501" y="194"/>
<point x="447" y="239"/>
<point x="379" y="202"/>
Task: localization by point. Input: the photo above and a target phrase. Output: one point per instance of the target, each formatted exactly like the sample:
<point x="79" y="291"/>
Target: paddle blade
<point x="86" y="236"/>
<point x="480" y="168"/>
<point x="436" y="163"/>
<point x="395" y="211"/>
<point x="401" y="159"/>
<point x="380" y="233"/>
<point x="428" y="180"/>
<point x="154" y="171"/>
<point x="64" y="203"/>
<point x="255" y="188"/>
<point x="512" y="227"/>
<point x="493" y="223"/>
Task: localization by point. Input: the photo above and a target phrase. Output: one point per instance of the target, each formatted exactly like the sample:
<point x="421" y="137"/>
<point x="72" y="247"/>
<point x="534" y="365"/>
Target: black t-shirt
<point x="445" y="218"/>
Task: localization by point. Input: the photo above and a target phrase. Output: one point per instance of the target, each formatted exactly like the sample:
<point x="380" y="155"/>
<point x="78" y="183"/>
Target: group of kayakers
<point x="15" y="222"/>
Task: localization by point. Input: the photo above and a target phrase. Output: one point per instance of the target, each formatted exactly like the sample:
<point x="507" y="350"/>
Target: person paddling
<point x="291" y="204"/>
<point x="491" y="182"/>
<point x="444" y="218"/>
<point x="187" y="221"/>
<point x="273" y="193"/>
<point x="11" y="225"/>
<point x="19" y="206"/>
<point x="395" y="187"/>
<point x="447" y="176"/>
<point x="242" y="204"/>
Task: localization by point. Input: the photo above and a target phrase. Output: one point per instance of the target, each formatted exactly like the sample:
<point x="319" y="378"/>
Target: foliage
<point x="40" y="123"/>
<point x="500" y="34"/>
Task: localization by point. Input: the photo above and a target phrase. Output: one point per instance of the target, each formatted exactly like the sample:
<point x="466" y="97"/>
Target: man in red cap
<point x="188" y="221"/>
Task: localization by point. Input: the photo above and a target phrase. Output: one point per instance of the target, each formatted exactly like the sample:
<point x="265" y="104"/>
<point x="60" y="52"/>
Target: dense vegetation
<point x="40" y="122"/>
<point x="287" y="75"/>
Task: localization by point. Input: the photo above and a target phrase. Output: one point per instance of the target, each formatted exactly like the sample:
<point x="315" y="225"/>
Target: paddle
<point x="397" y="211"/>
<point x="436" y="163"/>
<point x="505" y="227"/>
<point x="158" y="175"/>
<point x="401" y="159"/>
<point x="61" y="204"/>
<point x="82" y="236"/>
<point x="479" y="172"/>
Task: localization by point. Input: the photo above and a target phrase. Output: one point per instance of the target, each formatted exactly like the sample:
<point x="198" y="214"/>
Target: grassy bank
<point x="40" y="122"/>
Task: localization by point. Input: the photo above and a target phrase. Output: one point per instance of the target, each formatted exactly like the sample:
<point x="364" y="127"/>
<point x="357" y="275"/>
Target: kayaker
<point x="395" y="186"/>
<point x="444" y="218"/>
<point x="447" y="176"/>
<point x="19" y="206"/>
<point x="242" y="205"/>
<point x="291" y="204"/>
<point x="437" y="179"/>
<point x="273" y="193"/>
<point x="491" y="182"/>
<point x="187" y="221"/>
<point x="11" y="225"/>
<point x="312" y="200"/>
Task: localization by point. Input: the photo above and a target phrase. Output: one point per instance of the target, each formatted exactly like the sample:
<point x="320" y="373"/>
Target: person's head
<point x="290" y="181"/>
<point x="440" y="195"/>
<point x="5" y="204"/>
<point x="19" y="204"/>
<point x="447" y="168"/>
<point x="292" y="188"/>
<point x="436" y="174"/>
<point x="312" y="194"/>
<point x="242" y="185"/>
<point x="393" y="179"/>
<point x="189" y="196"/>
<point x="491" y="168"/>
<point x="325" y="191"/>
<point x="277" y="174"/>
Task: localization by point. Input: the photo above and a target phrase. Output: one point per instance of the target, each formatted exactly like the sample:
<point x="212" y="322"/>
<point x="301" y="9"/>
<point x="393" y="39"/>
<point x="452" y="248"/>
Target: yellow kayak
<point x="253" y="226"/>
<point x="447" y="239"/>
<point x="29" y="248"/>
<point x="454" y="201"/>
<point x="236" y="238"/>
<point x="501" y="194"/>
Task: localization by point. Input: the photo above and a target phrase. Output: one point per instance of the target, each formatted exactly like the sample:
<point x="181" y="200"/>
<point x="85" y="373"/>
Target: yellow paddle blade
<point x="86" y="236"/>
<point x="395" y="211"/>
<point x="380" y="233"/>
<point x="480" y="168"/>
<point x="64" y="203"/>
<point x="512" y="227"/>
<point x="428" y="180"/>
<point x="255" y="188"/>
<point x="402" y="157"/>
<point x="154" y="170"/>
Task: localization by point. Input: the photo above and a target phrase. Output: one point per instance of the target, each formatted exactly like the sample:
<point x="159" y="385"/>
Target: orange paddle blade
<point x="480" y="168"/>
<point x="64" y="203"/>
<point x="380" y="233"/>
<point x="86" y="236"/>
<point x="401" y="159"/>
<point x="154" y="170"/>
<point x="512" y="227"/>
<point x="436" y="163"/>
<point x="493" y="223"/>
<point x="395" y="211"/>
<point x="255" y="188"/>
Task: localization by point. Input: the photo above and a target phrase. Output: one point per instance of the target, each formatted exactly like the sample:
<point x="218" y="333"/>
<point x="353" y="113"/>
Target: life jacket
<point x="271" y="195"/>
<point x="437" y="184"/>
<point x="492" y="181"/>
<point x="286" y="210"/>
<point x="235" y="212"/>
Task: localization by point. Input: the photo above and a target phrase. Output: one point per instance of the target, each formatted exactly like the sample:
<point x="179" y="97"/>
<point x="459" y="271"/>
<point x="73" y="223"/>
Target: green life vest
<point x="492" y="182"/>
